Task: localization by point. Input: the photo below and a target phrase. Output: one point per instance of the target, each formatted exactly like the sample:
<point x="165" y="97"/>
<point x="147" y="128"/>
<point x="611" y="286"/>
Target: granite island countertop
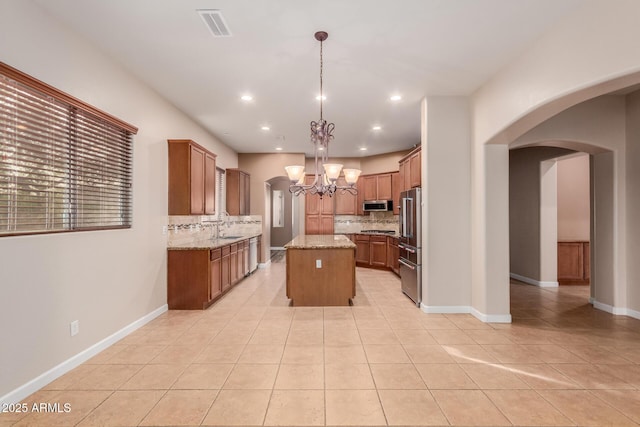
<point x="320" y="241"/>
<point x="209" y="243"/>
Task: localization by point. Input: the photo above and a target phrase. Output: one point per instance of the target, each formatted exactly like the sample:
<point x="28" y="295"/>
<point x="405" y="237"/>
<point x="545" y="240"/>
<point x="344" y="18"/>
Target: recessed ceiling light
<point x="363" y="148"/>
<point x="246" y="98"/>
<point x="324" y="98"/>
<point x="395" y="97"/>
<point x="265" y="128"/>
<point x="376" y="127"/>
<point x="278" y="148"/>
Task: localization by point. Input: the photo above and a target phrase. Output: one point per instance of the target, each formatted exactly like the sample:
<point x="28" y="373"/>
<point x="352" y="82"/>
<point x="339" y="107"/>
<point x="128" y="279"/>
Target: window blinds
<point x="62" y="167"/>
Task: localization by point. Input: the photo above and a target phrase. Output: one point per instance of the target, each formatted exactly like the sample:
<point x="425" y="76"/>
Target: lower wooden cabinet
<point x="393" y="254"/>
<point x="196" y="278"/>
<point x="376" y="251"/>
<point x="362" y="249"/>
<point x="573" y="263"/>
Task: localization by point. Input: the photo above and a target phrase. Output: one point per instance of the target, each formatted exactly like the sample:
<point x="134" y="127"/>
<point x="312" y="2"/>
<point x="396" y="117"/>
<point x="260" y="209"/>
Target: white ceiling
<point x="375" y="48"/>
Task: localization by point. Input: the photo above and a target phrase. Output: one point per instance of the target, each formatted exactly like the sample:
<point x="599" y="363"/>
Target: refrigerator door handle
<point x="411" y="251"/>
<point x="406" y="265"/>
<point x="404" y="217"/>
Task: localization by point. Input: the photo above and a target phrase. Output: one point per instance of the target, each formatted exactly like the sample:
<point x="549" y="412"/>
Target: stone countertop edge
<point x="209" y="243"/>
<point x="320" y="241"/>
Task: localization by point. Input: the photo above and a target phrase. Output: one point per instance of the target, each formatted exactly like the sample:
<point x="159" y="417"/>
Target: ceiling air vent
<point x="215" y="22"/>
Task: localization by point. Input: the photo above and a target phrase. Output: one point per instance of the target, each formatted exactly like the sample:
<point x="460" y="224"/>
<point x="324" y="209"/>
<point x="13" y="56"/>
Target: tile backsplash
<point x="344" y="224"/>
<point x="185" y="229"/>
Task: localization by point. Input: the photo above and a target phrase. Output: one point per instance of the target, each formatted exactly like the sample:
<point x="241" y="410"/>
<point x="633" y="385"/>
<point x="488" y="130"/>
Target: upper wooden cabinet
<point x="192" y="178"/>
<point x="346" y="203"/>
<point x="238" y="193"/>
<point x="377" y="187"/>
<point x="410" y="168"/>
<point x="396" y="189"/>
<point x="318" y="212"/>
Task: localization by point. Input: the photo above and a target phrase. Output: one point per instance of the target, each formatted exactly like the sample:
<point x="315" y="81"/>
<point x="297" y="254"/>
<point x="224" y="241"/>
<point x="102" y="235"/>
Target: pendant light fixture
<point x="326" y="174"/>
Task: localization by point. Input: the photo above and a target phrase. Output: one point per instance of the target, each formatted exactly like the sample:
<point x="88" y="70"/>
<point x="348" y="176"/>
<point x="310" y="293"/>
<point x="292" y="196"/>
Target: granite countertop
<point x="209" y="243"/>
<point x="368" y="233"/>
<point x="320" y="241"/>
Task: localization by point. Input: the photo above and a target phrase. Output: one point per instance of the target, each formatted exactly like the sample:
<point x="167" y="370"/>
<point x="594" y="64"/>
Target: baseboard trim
<point x="465" y="309"/>
<point x="264" y="264"/>
<point x="618" y="311"/>
<point x="277" y="248"/>
<point x="42" y="380"/>
<point x="533" y="282"/>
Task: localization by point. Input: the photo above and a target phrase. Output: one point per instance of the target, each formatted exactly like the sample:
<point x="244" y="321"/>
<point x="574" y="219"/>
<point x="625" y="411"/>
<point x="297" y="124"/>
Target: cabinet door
<point x="245" y="270"/>
<point x="312" y="224"/>
<point x="401" y="172"/>
<point x="242" y="210"/>
<point x="225" y="271"/>
<point x="384" y="187"/>
<point x="416" y="167"/>
<point x="197" y="181"/>
<point x="360" y="197"/>
<point x="570" y="261"/>
<point x="346" y="203"/>
<point x="247" y="194"/>
<point x="326" y="204"/>
<point x="370" y="188"/>
<point x="215" y="283"/>
<point x="396" y="259"/>
<point x="378" y="251"/>
<point x="209" y="184"/>
<point x="240" y="266"/>
<point x="407" y="174"/>
<point x="395" y="192"/>
<point x="326" y="224"/>
<point x="233" y="264"/>
<point x="362" y="250"/>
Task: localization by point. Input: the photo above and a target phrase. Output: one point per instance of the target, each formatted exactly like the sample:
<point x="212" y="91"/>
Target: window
<point x="221" y="192"/>
<point x="64" y="165"/>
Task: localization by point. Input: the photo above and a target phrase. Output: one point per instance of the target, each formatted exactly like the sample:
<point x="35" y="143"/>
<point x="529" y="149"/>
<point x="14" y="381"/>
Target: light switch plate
<point x="318" y="263"/>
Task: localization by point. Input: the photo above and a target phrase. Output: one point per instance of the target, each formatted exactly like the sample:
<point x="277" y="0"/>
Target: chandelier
<point x="326" y="174"/>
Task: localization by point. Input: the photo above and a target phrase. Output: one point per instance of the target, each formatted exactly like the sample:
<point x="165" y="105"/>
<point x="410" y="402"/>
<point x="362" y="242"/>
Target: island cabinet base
<point x="321" y="277"/>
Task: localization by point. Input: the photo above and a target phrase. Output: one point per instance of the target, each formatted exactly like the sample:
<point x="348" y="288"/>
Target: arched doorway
<point x="283" y="209"/>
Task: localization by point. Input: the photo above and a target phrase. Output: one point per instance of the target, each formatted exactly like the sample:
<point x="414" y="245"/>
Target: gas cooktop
<point x="378" y="231"/>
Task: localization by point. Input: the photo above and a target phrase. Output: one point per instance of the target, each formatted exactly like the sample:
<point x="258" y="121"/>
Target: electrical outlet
<point x="164" y="230"/>
<point x="318" y="263"/>
<point x="74" y="327"/>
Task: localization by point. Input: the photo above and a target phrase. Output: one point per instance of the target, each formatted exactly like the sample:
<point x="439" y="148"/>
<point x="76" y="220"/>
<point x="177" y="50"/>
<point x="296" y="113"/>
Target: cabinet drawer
<point x="226" y="250"/>
<point x="216" y="254"/>
<point x="382" y="239"/>
<point x="362" y="237"/>
<point x="234" y="248"/>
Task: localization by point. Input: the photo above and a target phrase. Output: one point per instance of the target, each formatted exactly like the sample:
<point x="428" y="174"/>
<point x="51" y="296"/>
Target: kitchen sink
<point x="229" y="237"/>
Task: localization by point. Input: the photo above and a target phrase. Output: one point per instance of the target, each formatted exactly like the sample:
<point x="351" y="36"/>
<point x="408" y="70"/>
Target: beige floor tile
<point x="305" y="337"/>
<point x="428" y="354"/>
<point x="307" y="324"/>
<point x="300" y="377"/>
<point x="451" y="336"/>
<point x="386" y="353"/>
<point x="469" y="353"/>
<point x="541" y="376"/>
<point x="136" y="354"/>
<point x="625" y="401"/>
<point x="630" y="373"/>
<point x="341" y="337"/>
<point x="123" y="408"/>
<point x="414" y="337"/>
<point x="597" y="354"/>
<point x="203" y="376"/>
<point x="269" y="336"/>
<point x="493" y="377"/>
<point x="220" y="353"/>
<point x="435" y="323"/>
<point x="491" y="336"/>
<point x="378" y="336"/>
<point x="106" y="354"/>
<point x="296" y="408"/>
<point x="344" y="354"/>
<point x="177" y="354"/>
<point x="303" y="354"/>
<point x="592" y="376"/>
<point x="154" y="377"/>
<point x="411" y="407"/>
<point x="445" y="376"/>
<point x="396" y="376"/>
<point x="9" y="416"/>
<point x="373" y="323"/>
<point x="70" y="377"/>
<point x="238" y="408"/>
<point x="511" y="353"/>
<point x="354" y="408"/>
<point x="348" y="376"/>
<point x="81" y="403"/>
<point x="181" y="408"/>
<point x="259" y="353"/>
<point x="106" y="377"/>
<point x="196" y="338"/>
<point x="526" y="407"/>
<point x="551" y="353"/>
<point x="584" y="408"/>
<point x="256" y="377"/>
<point x="469" y="408"/>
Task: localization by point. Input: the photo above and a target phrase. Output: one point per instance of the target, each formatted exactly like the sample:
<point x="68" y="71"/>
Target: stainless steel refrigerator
<point x="410" y="244"/>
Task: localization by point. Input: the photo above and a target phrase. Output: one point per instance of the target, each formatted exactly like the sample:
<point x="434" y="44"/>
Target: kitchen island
<point x="321" y="270"/>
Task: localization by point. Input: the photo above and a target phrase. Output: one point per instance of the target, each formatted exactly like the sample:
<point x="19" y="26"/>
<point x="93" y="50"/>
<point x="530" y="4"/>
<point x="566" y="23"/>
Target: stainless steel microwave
<point x="378" y="206"/>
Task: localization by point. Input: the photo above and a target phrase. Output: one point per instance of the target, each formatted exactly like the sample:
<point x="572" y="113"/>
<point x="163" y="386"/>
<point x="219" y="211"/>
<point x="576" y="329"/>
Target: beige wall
<point x="573" y="198"/>
<point x="380" y="163"/>
<point x="282" y="235"/>
<point x="633" y="200"/>
<point x="104" y="279"/>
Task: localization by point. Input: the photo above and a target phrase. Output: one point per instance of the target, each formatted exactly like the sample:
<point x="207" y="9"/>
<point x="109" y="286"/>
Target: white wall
<point x="104" y="279"/>
<point x="573" y="198"/>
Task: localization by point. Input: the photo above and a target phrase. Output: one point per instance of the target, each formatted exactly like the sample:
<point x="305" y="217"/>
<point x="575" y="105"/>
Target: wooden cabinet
<point x="215" y="282"/>
<point x="393" y="254"/>
<point x="377" y="187"/>
<point x="378" y="251"/>
<point x="346" y="203"/>
<point x="410" y="168"/>
<point x="362" y="249"/>
<point x="225" y="269"/>
<point x="238" y="193"/>
<point x="245" y="259"/>
<point x="573" y="263"/>
<point x="233" y="264"/>
<point x="192" y="175"/>
<point x="396" y="188"/>
<point x="318" y="212"/>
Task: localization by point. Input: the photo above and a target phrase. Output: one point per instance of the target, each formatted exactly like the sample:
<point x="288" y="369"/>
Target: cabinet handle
<point x="411" y="251"/>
